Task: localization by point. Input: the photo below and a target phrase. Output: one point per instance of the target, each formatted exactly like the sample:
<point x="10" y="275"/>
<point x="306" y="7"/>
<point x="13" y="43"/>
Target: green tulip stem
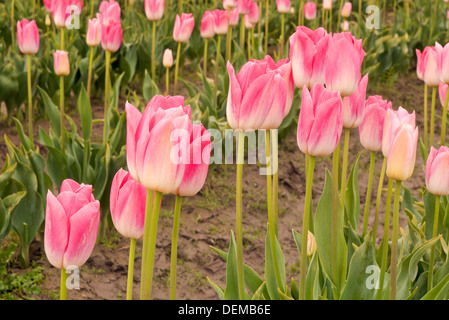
<point x="145" y="245"/>
<point x="206" y="42"/>
<point x="228" y="39"/>
<point x="426" y="141"/>
<point x="63" y="286"/>
<point x="394" y="241"/>
<point x="335" y="205"/>
<point x="344" y="168"/>
<point x="92" y="8"/>
<point x="167" y="81"/>
<point x="178" y="56"/>
<point x="217" y="68"/>
<point x="378" y="198"/>
<point x="432" y="116"/>
<point x="432" y="249"/>
<point x="360" y="9"/>
<point x="301" y="13"/>
<point x="106" y="97"/>
<point x="443" y="123"/>
<point x="129" y="286"/>
<point x="305" y="227"/>
<point x="89" y="77"/>
<point x="174" y="247"/>
<point x="267" y="23"/>
<point x="153" y="52"/>
<point x="239" y="218"/>
<point x="275" y="159"/>
<point x="30" y="102"/>
<point x="385" y="240"/>
<point x="61" y="110"/>
<point x="152" y="246"/>
<point x="242" y="34"/>
<point x="368" y="193"/>
<point x="339" y="16"/>
<point x="13" y="26"/>
<point x="282" y="36"/>
<point x="86" y="159"/>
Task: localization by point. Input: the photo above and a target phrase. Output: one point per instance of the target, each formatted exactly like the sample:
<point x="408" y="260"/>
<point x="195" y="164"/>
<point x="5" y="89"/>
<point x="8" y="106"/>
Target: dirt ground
<point x="208" y="218"/>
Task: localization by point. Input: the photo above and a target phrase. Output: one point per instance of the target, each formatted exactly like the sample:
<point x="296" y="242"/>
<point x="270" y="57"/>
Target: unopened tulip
<point x="442" y="90"/>
<point x="345" y="26"/>
<point x="320" y="121"/>
<point x="346" y="10"/>
<point x="127" y="204"/>
<point x="235" y="17"/>
<point x="427" y="67"/>
<point x="183" y="27"/>
<point x="230" y="4"/>
<point x="402" y="154"/>
<point x="109" y="11"/>
<point x="196" y="169"/>
<point x="437" y="171"/>
<point x="93" y="36"/>
<point x="154" y="9"/>
<point x="28" y="36"/>
<point x="327" y="4"/>
<point x="149" y="142"/>
<point x="354" y="105"/>
<point x="49" y="5"/>
<point x="47" y="20"/>
<point x="253" y="15"/>
<point x="167" y="59"/>
<point x="307" y="51"/>
<point x="244" y="6"/>
<point x="344" y="60"/>
<point x="283" y="6"/>
<point x="371" y="128"/>
<point x="394" y="121"/>
<point x="207" y="25"/>
<point x="61" y="63"/>
<point x="62" y="9"/>
<point x="310" y="10"/>
<point x="221" y="21"/>
<point x="259" y="95"/>
<point x="111" y="35"/>
<point x="311" y="244"/>
<point x="71" y="225"/>
<point x="443" y="62"/>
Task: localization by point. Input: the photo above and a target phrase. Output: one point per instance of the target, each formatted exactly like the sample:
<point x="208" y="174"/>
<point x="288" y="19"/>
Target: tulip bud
<point x="111" y="35"/>
<point x="61" y="63"/>
<point x="28" y="36"/>
<point x="127" y="205"/>
<point x="253" y="15"/>
<point x="394" y="120"/>
<point x="320" y="121"/>
<point x="49" y="5"/>
<point x="93" y="36"/>
<point x="154" y="9"/>
<point x="47" y="20"/>
<point x="437" y="171"/>
<point x="71" y="225"/>
<point x="167" y="60"/>
<point x="327" y="4"/>
<point x="344" y="26"/>
<point x="310" y="10"/>
<point x="221" y="22"/>
<point x="109" y="11"/>
<point x="443" y="62"/>
<point x="207" y="25"/>
<point x="311" y="244"/>
<point x="402" y="155"/>
<point x="346" y="10"/>
<point x="235" y="17"/>
<point x="442" y="90"/>
<point x="230" y="4"/>
<point x="183" y="27"/>
<point x="244" y="6"/>
<point x="283" y="6"/>
<point x="371" y="128"/>
<point x="354" y="105"/>
<point x="427" y="67"/>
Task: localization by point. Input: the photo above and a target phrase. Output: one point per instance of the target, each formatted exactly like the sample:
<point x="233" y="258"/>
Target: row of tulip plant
<point x="166" y="152"/>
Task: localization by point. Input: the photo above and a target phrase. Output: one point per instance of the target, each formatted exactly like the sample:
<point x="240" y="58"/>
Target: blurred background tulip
<point x="283" y="6"/>
<point x="154" y="9"/>
<point x="61" y="63"/>
<point x="354" y="105"/>
<point x="437" y="171"/>
<point x="310" y="10"/>
<point x="28" y="36"/>
<point x="346" y="11"/>
<point x="402" y="154"/>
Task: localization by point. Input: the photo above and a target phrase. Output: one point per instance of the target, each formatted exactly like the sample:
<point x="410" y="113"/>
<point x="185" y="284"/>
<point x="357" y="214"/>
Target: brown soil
<point x="208" y="218"/>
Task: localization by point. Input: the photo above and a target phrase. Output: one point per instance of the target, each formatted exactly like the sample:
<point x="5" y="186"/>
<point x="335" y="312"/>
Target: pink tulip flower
<point x="346" y="10"/>
<point x="196" y="169"/>
<point x="61" y="63"/>
<point x="310" y="10"/>
<point x="183" y="27"/>
<point x="427" y="67"/>
<point x="372" y="126"/>
<point x="442" y="90"/>
<point x="111" y="35"/>
<point x="253" y="15"/>
<point x="109" y="11"/>
<point x="62" y="9"/>
<point x="71" y="225"/>
<point x="443" y="62"/>
<point x="283" y="6"/>
<point x="437" y="171"/>
<point x="221" y="21"/>
<point x="127" y="204"/>
<point x="150" y="145"/>
<point x="208" y="25"/>
<point x="354" y="105"/>
<point x="93" y="36"/>
<point x="308" y="49"/>
<point x="344" y="60"/>
<point x="244" y="6"/>
<point x="260" y="95"/>
<point x="154" y="9"/>
<point x="320" y="121"/>
<point x="402" y="154"/>
<point x="49" y="5"/>
<point x="230" y="4"/>
<point x="394" y="121"/>
<point x="235" y="17"/>
<point x="327" y="4"/>
<point x="28" y="36"/>
<point x="167" y="59"/>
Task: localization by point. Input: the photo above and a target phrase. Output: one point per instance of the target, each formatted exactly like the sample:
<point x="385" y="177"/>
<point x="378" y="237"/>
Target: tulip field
<point x="224" y="150"/>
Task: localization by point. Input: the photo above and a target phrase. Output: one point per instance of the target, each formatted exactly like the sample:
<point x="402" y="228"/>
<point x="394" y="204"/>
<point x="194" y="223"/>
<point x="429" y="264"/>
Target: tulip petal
<point x="234" y="99"/>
